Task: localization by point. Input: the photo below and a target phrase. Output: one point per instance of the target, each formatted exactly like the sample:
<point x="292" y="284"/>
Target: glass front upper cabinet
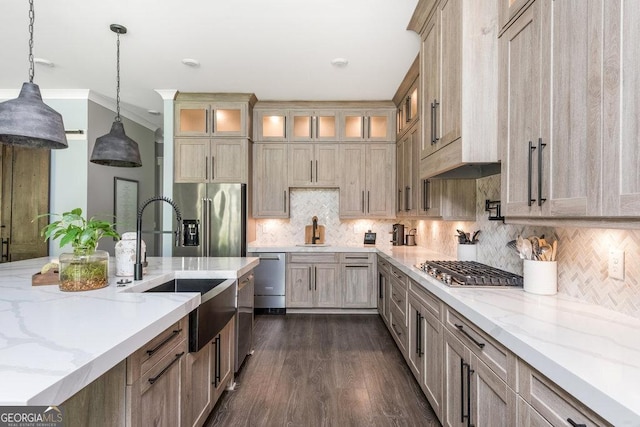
<point x="368" y="125"/>
<point x="270" y="126"/>
<point x="313" y="126"/>
<point x="200" y="119"/>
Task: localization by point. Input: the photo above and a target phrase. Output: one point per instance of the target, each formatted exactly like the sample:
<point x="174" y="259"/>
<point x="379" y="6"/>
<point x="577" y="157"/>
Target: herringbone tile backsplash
<point x="582" y="252"/>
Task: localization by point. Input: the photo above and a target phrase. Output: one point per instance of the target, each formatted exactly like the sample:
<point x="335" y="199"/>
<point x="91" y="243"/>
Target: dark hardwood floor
<point x="323" y="370"/>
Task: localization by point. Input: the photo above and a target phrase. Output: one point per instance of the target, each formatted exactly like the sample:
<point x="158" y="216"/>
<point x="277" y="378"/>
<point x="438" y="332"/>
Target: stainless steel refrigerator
<point x="215" y="219"/>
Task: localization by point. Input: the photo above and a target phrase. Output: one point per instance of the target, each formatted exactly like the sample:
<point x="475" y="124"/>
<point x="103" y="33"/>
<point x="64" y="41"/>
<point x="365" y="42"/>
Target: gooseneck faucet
<point x="314" y="230"/>
<point x="137" y="267"/>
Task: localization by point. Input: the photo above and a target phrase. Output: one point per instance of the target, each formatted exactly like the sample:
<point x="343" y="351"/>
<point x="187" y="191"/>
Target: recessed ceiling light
<point x="339" y="62"/>
<point x="153" y="112"/>
<point x="43" y="61"/>
<point x="191" y="62"/>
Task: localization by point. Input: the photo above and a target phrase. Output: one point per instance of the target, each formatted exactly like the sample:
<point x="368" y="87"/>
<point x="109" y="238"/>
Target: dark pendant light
<point x="116" y="148"/>
<point x="27" y="121"/>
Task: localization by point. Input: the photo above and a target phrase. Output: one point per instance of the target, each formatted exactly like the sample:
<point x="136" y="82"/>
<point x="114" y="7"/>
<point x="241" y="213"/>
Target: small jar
<point x="126" y="253"/>
<point x="84" y="269"/>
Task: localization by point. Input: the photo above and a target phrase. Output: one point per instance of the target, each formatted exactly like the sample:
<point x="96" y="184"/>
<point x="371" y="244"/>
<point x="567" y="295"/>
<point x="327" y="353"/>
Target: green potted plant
<point x="86" y="268"/>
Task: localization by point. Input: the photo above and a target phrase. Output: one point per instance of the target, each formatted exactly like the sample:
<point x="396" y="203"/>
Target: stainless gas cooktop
<point x="469" y="273"/>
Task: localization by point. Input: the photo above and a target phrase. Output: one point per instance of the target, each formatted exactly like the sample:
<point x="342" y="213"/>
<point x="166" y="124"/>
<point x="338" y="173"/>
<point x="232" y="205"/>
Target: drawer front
<point x="357" y="258"/>
<point x="554" y="404"/>
<point x="494" y="354"/>
<point x="383" y="264"/>
<point x="314" y="257"/>
<point x="149" y="354"/>
<point x="398" y="328"/>
<point x="430" y="302"/>
<point x="399" y="300"/>
<point x="398" y="276"/>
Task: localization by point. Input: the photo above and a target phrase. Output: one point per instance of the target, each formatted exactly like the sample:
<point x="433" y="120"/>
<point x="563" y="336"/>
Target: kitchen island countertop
<point x="54" y="343"/>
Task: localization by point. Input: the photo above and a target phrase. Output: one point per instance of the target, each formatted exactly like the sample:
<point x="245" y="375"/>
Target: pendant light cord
<point x="32" y="17"/>
<point x="118" y="78"/>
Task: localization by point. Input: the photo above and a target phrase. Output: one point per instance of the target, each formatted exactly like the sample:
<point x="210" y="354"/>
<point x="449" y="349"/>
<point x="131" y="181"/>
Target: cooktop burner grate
<point x="469" y="273"/>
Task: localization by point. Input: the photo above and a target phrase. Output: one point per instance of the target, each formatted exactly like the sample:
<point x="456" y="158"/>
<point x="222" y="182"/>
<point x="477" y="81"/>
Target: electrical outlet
<point x="616" y="265"/>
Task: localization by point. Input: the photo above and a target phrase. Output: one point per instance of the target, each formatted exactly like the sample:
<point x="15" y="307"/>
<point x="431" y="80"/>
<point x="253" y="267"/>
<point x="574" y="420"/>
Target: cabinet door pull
<point x="462" y="415"/>
<point x="363" y="201"/>
<point x="433" y="121"/>
<point x="426" y="194"/>
<point x="206" y="167"/>
<point x="469" y="373"/>
<point x="368" y="202"/>
<point x="407" y="193"/>
<point x="5" y="248"/>
<point x="206" y="121"/>
<point x="213" y="167"/>
<point x="380" y="286"/>
<point x="285" y="200"/>
<point x="316" y="171"/>
<point x="418" y="335"/>
<point x="575" y="424"/>
<point x="540" y="147"/>
<point x="476" y="342"/>
<point x="436" y="104"/>
<point x="166" y="368"/>
<point x="315" y="278"/>
<point x="174" y="334"/>
<point x="311" y="170"/>
<point x="396" y="329"/>
<point x="529" y="174"/>
<point x="310" y="280"/>
<point x="399" y="200"/>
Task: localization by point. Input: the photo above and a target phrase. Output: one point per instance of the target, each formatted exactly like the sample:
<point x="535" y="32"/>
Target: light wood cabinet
<point x="155" y="379"/>
<point x="367" y="125"/>
<point x="407" y="100"/>
<point x="509" y="9"/>
<point x="313" y="281"/>
<point x="222" y="360"/>
<point x="211" y="160"/>
<point x="425" y="349"/>
<point x="198" y="398"/>
<point x="384" y="289"/>
<point x="270" y="125"/>
<point x="448" y="199"/>
<point x="550" y="402"/>
<point x="357" y="276"/>
<point x="366" y="181"/>
<point x="474" y="394"/>
<point x="313" y="165"/>
<point x="213" y="114"/>
<point x="310" y="125"/>
<point x="557" y="112"/>
<point x="270" y="183"/>
<point x="459" y="85"/>
<point x="407" y="174"/>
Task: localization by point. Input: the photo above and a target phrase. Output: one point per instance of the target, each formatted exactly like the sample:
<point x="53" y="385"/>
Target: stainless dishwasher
<point x="244" y="320"/>
<point x="270" y="282"/>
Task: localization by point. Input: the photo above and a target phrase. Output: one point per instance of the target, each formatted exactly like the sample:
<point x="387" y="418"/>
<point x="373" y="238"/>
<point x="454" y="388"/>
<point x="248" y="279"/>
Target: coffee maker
<point x="397" y="235"/>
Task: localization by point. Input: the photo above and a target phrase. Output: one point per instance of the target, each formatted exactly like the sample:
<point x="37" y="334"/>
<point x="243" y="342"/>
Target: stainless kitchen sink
<point x="217" y="306"/>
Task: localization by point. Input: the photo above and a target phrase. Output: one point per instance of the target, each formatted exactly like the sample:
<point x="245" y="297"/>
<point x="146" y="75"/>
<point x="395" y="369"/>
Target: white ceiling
<point x="278" y="49"/>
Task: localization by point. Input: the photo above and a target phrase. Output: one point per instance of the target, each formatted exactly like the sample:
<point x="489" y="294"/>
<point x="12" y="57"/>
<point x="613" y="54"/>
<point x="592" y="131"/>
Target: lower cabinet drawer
<point x="551" y="402"/>
<point x="399" y="300"/>
<point x="152" y="352"/>
<point x="495" y="355"/>
<point x="314" y="257"/>
<point x="398" y="328"/>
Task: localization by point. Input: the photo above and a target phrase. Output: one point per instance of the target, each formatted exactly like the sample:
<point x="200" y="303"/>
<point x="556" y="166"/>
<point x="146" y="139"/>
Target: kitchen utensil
<point x="519" y="246"/>
<point x="511" y="244"/>
<point x="474" y="239"/>
<point x="554" y="250"/>
<point x="462" y="237"/>
<point x="527" y="250"/>
<point x="545" y="252"/>
<point x="397" y="235"/>
<point x="535" y="247"/>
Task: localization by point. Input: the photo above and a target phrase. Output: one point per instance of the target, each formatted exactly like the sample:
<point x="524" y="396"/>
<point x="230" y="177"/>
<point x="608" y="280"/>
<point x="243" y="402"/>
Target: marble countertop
<point x="54" y="343"/>
<point x="591" y="352"/>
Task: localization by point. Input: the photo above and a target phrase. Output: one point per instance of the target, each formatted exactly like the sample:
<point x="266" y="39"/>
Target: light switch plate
<point x="616" y="264"/>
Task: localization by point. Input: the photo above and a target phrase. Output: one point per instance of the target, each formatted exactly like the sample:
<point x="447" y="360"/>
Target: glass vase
<point x="84" y="270"/>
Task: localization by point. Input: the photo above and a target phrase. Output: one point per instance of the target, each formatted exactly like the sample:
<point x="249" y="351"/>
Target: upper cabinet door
<point x="519" y="112"/>
<point x="192" y="119"/>
<point x="374" y="125"/>
<point x="430" y="74"/>
<point x="229" y="119"/>
<point x="313" y="126"/>
<point x="270" y="126"/>
<point x="191" y="160"/>
<point x="570" y="163"/>
<point x="622" y="111"/>
<point x="449" y="113"/>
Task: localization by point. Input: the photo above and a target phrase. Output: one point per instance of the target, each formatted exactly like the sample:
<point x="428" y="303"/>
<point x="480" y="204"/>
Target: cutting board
<point x="308" y="233"/>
